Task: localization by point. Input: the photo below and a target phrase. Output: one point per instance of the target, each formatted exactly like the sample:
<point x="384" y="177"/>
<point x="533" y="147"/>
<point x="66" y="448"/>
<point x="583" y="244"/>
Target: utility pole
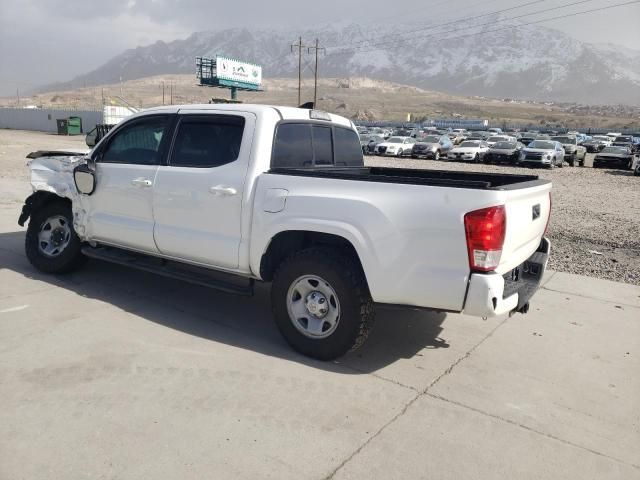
<point x="299" y="46"/>
<point x="171" y="92"/>
<point x="317" y="48"/>
<point x="162" y="92"/>
<point x="18" y="95"/>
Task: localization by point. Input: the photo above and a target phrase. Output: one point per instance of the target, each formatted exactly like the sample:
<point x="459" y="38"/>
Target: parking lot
<point x="113" y="373"/>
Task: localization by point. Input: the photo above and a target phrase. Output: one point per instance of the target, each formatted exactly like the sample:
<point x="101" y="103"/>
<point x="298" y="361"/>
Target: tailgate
<point x="528" y="211"/>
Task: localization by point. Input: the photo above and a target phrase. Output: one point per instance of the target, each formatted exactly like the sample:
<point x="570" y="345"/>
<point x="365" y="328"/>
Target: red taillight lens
<point x="485" y="231"/>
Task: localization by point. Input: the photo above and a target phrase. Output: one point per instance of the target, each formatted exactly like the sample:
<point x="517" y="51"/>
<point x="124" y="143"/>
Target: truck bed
<point x="444" y="178"/>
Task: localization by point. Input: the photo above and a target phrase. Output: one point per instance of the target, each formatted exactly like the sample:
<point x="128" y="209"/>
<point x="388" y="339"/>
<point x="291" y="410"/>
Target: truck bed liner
<point x="442" y="178"/>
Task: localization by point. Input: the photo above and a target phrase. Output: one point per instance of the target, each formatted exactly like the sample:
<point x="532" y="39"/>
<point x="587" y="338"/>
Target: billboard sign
<point x="237" y="71"/>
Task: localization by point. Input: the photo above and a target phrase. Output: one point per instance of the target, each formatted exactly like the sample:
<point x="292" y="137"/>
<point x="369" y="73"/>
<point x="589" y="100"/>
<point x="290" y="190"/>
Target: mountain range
<point x="528" y="62"/>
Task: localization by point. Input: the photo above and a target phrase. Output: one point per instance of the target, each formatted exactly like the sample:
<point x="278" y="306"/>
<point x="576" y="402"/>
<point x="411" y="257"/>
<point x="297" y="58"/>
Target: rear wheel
<point x="321" y="303"/>
<point x="51" y="243"/>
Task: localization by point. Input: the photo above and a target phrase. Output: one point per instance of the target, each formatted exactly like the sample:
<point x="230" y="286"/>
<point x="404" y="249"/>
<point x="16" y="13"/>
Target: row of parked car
<point x="495" y="146"/>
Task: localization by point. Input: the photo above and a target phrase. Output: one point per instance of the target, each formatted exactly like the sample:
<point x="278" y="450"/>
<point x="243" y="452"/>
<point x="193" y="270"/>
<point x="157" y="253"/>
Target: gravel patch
<point x="595" y="220"/>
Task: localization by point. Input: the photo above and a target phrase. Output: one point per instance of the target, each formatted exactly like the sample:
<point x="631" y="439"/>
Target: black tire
<point x="574" y="160"/>
<point x="436" y="156"/>
<point x="414" y="156"/>
<point x="347" y="280"/>
<point x="69" y="258"/>
<point x="476" y="159"/>
<point x="561" y="163"/>
<point x="400" y="152"/>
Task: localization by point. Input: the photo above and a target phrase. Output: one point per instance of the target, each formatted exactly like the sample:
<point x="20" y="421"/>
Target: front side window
<point x="138" y="143"/>
<point x="206" y="142"/>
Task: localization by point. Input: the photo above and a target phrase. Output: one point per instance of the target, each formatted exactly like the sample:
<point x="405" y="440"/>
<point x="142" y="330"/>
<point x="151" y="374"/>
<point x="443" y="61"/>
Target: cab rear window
<point x="308" y="145"/>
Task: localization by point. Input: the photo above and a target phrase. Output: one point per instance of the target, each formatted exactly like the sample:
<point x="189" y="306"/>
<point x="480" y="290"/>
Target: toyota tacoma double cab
<point x="228" y="195"/>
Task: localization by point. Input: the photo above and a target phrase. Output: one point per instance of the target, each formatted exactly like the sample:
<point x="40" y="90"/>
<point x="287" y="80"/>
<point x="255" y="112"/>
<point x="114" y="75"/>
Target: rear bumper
<point x="490" y="295"/>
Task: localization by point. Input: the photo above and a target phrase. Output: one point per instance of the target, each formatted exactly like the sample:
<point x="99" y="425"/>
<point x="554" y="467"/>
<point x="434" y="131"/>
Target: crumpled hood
<point x="55" y="174"/>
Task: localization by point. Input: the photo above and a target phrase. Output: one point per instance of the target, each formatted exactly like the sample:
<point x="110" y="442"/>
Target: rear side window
<point x="206" y="142"/>
<point x="303" y="145"/>
<point x="347" y="149"/>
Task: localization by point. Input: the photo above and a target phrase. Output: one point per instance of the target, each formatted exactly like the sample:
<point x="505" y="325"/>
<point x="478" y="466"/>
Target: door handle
<point x="141" y="182"/>
<point x="223" y="191"/>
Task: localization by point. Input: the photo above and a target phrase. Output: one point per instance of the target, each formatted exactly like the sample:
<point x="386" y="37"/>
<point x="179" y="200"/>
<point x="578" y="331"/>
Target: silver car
<point x="543" y="153"/>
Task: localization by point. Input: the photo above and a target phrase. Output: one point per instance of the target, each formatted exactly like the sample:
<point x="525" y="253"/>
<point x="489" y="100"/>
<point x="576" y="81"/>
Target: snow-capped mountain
<point x="526" y="62"/>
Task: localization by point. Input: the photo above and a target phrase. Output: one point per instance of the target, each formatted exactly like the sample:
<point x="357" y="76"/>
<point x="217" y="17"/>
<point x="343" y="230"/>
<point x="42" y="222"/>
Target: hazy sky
<point x="42" y="41"/>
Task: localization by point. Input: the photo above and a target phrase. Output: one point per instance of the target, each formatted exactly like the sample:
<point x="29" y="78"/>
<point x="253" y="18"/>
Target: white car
<point x="395" y="146"/>
<point x="224" y="196"/>
<point x="547" y="153"/>
<point x="469" y="151"/>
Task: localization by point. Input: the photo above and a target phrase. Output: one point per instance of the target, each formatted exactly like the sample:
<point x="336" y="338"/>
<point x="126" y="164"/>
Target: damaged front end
<point x="51" y="179"/>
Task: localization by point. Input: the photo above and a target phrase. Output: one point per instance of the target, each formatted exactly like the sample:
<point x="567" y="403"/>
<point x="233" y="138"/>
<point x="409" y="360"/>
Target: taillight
<point x="549" y="217"/>
<point x="485" y="231"/>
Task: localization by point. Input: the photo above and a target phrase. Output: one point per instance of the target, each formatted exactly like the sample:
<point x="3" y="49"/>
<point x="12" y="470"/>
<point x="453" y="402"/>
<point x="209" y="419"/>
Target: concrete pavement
<point x="112" y="373"/>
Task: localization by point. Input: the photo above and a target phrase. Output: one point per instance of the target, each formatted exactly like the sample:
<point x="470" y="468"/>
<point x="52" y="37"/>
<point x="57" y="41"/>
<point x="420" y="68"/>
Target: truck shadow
<point x="238" y="321"/>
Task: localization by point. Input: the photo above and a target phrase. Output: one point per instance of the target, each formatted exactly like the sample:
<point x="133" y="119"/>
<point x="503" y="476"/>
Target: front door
<point x="198" y="195"/>
<point x="121" y="208"/>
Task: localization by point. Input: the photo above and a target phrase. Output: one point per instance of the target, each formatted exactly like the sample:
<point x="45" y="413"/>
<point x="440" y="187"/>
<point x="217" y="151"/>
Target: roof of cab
<point x="287" y="113"/>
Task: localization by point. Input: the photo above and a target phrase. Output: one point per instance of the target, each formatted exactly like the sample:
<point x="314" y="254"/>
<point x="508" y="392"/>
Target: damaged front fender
<point x="51" y="177"/>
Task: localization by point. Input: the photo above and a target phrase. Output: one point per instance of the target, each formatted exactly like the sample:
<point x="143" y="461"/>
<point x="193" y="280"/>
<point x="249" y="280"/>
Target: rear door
<point x="198" y="194"/>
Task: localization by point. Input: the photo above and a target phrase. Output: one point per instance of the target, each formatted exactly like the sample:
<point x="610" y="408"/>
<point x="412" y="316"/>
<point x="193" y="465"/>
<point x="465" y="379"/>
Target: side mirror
<point x="84" y="179"/>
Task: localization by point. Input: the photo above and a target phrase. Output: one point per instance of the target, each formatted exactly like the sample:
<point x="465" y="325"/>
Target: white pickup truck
<point x="226" y="195"/>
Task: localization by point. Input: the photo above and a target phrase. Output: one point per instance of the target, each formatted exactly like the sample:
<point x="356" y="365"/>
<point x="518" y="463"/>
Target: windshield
<point x="395" y="140"/>
<point x="505" y="145"/>
<point x="430" y="139"/>
<point x="542" y="145"/>
<point x="469" y="144"/>
<point x="601" y="138"/>
<point x="623" y="139"/>
<point x="497" y="139"/>
<point x="564" y="140"/>
<point x="365" y="138"/>
<point x="615" y="150"/>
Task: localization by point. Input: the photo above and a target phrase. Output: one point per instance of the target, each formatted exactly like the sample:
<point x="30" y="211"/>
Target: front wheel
<point x="321" y="303"/>
<point x="51" y="243"/>
<point x="436" y="156"/>
<point x="400" y="153"/>
<point x="476" y="159"/>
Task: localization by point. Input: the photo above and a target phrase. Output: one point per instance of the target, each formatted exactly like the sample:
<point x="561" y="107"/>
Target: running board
<point x="204" y="277"/>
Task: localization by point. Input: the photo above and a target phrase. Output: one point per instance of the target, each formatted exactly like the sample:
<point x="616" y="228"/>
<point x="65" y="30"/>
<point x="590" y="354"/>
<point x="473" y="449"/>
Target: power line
<point x="608" y="7"/>
<point x="473" y="17"/>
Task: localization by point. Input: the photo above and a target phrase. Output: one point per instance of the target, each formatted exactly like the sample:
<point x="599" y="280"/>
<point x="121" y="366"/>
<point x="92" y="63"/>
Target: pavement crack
<point x="372" y="437"/>
<point x="465" y="356"/>
<point x="413" y="400"/>
<point x="530" y="429"/>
